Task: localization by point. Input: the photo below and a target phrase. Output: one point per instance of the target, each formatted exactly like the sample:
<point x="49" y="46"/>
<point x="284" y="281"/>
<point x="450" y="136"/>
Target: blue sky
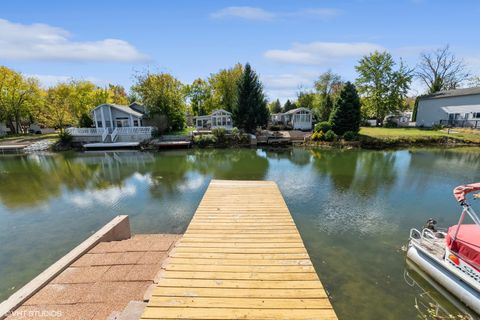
<point x="289" y="43"/>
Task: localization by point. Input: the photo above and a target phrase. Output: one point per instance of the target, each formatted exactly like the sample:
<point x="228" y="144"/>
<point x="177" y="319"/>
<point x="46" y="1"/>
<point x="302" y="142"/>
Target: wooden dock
<point x="240" y="258"/>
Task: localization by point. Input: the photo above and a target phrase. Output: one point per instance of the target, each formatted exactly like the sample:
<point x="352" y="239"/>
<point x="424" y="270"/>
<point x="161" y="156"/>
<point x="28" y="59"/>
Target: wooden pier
<point x="240" y="258"/>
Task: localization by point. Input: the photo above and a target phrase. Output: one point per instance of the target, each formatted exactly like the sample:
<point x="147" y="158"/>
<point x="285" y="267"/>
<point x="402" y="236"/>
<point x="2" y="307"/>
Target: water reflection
<point x="354" y="208"/>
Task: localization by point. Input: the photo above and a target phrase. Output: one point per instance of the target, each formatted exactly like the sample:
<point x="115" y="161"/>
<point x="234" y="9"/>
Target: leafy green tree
<point x="200" y="95"/>
<point x="163" y="96"/>
<point x="307" y="100"/>
<point x="117" y="94"/>
<point x="251" y="108"/>
<point x="225" y="87"/>
<point x="289" y="106"/>
<point x="275" y="106"/>
<point x="325" y="108"/>
<point x="346" y="112"/>
<point x="383" y="87"/>
<point x="58" y="110"/>
<point x="85" y="121"/>
<point x="19" y="96"/>
<point x="329" y="83"/>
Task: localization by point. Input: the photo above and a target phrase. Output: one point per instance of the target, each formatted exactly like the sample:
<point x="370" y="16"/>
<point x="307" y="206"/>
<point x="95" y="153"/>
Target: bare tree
<point x="441" y="70"/>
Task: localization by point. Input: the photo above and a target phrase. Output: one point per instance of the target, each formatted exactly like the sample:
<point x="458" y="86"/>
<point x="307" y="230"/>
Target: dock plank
<point x="240" y="258"/>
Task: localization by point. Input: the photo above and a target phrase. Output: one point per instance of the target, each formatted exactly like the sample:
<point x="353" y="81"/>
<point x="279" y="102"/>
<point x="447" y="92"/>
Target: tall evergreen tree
<point x="250" y="110"/>
<point x="275" y="106"/>
<point x="345" y="115"/>
<point x="288" y="106"/>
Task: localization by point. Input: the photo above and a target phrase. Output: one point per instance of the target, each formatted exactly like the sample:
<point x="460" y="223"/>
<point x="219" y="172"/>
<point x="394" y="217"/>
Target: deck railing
<point x="126" y="131"/>
<point x="114" y="134"/>
<point x="474" y="124"/>
<point x="86" y="131"/>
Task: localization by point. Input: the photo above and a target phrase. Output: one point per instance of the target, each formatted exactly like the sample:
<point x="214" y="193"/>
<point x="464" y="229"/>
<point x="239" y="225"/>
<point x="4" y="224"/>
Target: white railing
<point x="114" y="134"/>
<point x="104" y="134"/>
<point x="85" y="131"/>
<point x="126" y="131"/>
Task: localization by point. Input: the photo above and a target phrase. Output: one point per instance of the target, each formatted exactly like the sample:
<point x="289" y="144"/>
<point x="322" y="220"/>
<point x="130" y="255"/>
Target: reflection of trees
<point x="376" y="170"/>
<point x="365" y="172"/>
<point x="230" y="164"/>
<point x="298" y="156"/>
<point x="339" y="165"/>
<point x="463" y="165"/>
<point x="28" y="180"/>
<point x="168" y="171"/>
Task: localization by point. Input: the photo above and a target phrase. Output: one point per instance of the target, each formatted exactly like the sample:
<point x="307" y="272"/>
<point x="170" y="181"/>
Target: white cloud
<point x="322" y="13"/>
<point x="44" y="42"/>
<point x="248" y="13"/>
<point x="321" y="53"/>
<point x="259" y="14"/>
<point x="49" y="80"/>
<point x="286" y="86"/>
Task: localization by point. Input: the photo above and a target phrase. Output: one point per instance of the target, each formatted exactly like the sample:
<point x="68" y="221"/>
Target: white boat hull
<point x="436" y="269"/>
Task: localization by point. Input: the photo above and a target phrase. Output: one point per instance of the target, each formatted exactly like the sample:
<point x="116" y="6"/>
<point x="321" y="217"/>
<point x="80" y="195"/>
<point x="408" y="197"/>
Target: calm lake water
<point x="353" y="208"/>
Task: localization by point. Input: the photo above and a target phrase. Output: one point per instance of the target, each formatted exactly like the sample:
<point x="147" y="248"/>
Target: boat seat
<point x="467" y="243"/>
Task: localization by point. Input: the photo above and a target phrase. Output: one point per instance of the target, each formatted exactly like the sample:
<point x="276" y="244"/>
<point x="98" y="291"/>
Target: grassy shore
<point x="400" y="137"/>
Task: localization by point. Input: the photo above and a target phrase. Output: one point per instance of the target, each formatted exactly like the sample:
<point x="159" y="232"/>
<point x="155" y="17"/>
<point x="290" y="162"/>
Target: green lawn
<point x="28" y="136"/>
<point x="184" y="132"/>
<point x="416" y="133"/>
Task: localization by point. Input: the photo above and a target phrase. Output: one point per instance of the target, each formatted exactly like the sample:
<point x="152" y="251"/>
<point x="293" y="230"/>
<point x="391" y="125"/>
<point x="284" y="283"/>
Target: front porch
<point x="110" y="135"/>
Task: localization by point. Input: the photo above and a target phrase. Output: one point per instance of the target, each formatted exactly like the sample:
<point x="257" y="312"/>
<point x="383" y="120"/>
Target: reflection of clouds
<point x="143" y="178"/>
<point x="192" y="183"/>
<point x="109" y="196"/>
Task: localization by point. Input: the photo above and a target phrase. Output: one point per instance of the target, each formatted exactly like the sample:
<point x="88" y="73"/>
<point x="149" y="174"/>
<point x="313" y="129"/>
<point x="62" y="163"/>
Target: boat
<point x="452" y="256"/>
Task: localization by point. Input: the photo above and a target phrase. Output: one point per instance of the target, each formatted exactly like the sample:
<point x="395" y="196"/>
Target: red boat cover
<point x="461" y="191"/>
<point x="467" y="244"/>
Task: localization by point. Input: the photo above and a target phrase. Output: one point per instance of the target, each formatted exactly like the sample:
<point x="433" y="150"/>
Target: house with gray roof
<point x="457" y="108"/>
<point x="114" y="124"/>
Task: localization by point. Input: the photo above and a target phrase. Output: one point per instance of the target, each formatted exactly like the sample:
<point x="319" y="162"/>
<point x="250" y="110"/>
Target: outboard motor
<point x="430" y="224"/>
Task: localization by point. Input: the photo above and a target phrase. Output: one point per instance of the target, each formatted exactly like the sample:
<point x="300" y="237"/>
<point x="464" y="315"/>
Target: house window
<point x="453" y="116"/>
<point x="476" y="115"/>
<point x="99" y="124"/>
<point x="214" y="121"/>
<point x="135" y="123"/>
<point x="121" y="122"/>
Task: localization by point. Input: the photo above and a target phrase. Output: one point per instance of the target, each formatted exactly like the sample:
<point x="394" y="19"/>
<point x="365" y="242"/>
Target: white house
<point x="459" y="108"/>
<point x="218" y="119"/>
<point x="116" y="116"/>
<point x="298" y="119"/>
<point x="114" y="123"/>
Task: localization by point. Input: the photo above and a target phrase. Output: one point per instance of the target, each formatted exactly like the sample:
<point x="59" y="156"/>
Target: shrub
<point x="350" y="136"/>
<point x="275" y="127"/>
<point x="65" y="137"/>
<point x="330" y="136"/>
<point x="323" y="126"/>
<point x="318" y="136"/>
<point x="390" y="124"/>
<point x="220" y="134"/>
<point x="437" y="126"/>
<point x="205" y="140"/>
